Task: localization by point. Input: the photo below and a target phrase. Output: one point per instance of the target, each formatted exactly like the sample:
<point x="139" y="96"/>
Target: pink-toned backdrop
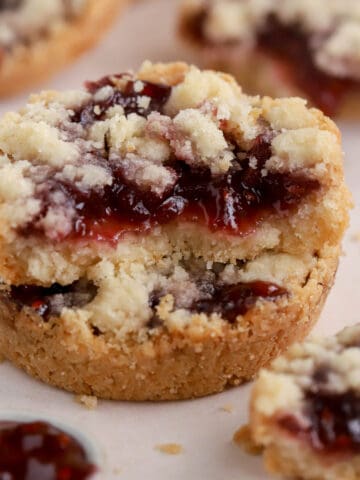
<point x="125" y="434"/>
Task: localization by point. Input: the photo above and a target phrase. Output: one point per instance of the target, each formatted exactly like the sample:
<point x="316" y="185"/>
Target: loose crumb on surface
<point x="227" y="408"/>
<point x="170" y="448"/>
<point x="355" y="237"/>
<point x="242" y="437"/>
<point x="117" y="471"/>
<point x="88" y="401"/>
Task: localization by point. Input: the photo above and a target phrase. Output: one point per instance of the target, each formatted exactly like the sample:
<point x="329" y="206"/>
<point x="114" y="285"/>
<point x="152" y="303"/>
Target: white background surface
<point x="125" y="433"/>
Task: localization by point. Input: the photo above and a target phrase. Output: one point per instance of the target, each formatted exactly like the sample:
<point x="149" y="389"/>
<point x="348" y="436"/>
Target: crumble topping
<point x="72" y="151"/>
<point x="23" y="21"/>
<point x="333" y="27"/>
<point x="311" y="396"/>
<point x="325" y="365"/>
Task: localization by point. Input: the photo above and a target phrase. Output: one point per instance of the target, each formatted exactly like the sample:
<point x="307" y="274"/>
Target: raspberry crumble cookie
<point x="283" y="47"/>
<point x="39" y="37"/>
<point x="163" y="235"/>
<point x="306" y="409"/>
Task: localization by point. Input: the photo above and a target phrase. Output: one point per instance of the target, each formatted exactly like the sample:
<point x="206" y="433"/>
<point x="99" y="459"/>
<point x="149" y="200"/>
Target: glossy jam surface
<point x="40" y="451"/>
<point x="334" y="423"/>
<point x="50" y="301"/>
<point x="233" y="202"/>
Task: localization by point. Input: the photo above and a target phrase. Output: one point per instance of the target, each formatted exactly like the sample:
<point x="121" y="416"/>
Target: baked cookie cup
<point x="176" y="354"/>
<point x="282" y="48"/>
<point x="38" y="39"/>
<point x="164" y="235"/>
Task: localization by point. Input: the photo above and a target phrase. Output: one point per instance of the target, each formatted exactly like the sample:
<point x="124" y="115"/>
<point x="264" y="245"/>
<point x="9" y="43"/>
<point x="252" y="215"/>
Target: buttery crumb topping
<point x="126" y="126"/>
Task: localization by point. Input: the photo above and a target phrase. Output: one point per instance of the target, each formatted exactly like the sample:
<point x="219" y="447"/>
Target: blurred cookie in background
<point x="38" y="38"/>
<point x="282" y="48"/>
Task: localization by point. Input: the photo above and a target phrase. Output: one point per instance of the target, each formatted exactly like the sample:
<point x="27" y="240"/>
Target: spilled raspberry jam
<point x="40" y="451"/>
<point x="130" y="98"/>
<point x="234" y="202"/>
<point x="334" y="423"/>
<point x="49" y="301"/>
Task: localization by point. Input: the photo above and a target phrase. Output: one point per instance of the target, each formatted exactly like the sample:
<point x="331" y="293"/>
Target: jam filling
<point x="49" y="301"/>
<point x="334" y="423"/>
<point x="229" y="301"/>
<point x="129" y="98"/>
<point x="291" y="47"/>
<point x="234" y="202"/>
<point x="40" y="451"/>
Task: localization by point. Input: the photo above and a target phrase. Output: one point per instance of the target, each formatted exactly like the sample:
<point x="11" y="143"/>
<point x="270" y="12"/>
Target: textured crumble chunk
<point x="88" y="401"/>
<point x="243" y="438"/>
<point x="310" y="399"/>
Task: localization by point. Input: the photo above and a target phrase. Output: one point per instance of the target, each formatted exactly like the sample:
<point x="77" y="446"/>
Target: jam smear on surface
<point x="230" y="301"/>
<point x="234" y="202"/>
<point x="40" y="451"/>
<point x="334" y="423"/>
<point x="129" y="98"/>
<point x="49" y="301"/>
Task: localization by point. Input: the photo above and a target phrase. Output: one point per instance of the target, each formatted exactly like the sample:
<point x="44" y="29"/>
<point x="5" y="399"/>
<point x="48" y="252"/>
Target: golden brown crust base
<point x="168" y="367"/>
<point x="29" y="66"/>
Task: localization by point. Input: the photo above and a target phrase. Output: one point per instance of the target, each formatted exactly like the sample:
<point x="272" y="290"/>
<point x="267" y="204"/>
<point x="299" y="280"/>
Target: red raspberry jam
<point x="40" y="451"/>
<point x="234" y="202"/>
<point x="334" y="423"/>
<point x="128" y="98"/>
<point x="49" y="301"/>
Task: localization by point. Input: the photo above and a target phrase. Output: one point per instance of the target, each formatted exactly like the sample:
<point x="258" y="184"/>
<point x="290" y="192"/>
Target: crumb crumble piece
<point x="170" y="448"/>
<point x="88" y="401"/>
<point x="227" y="408"/>
<point x="243" y="438"/>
